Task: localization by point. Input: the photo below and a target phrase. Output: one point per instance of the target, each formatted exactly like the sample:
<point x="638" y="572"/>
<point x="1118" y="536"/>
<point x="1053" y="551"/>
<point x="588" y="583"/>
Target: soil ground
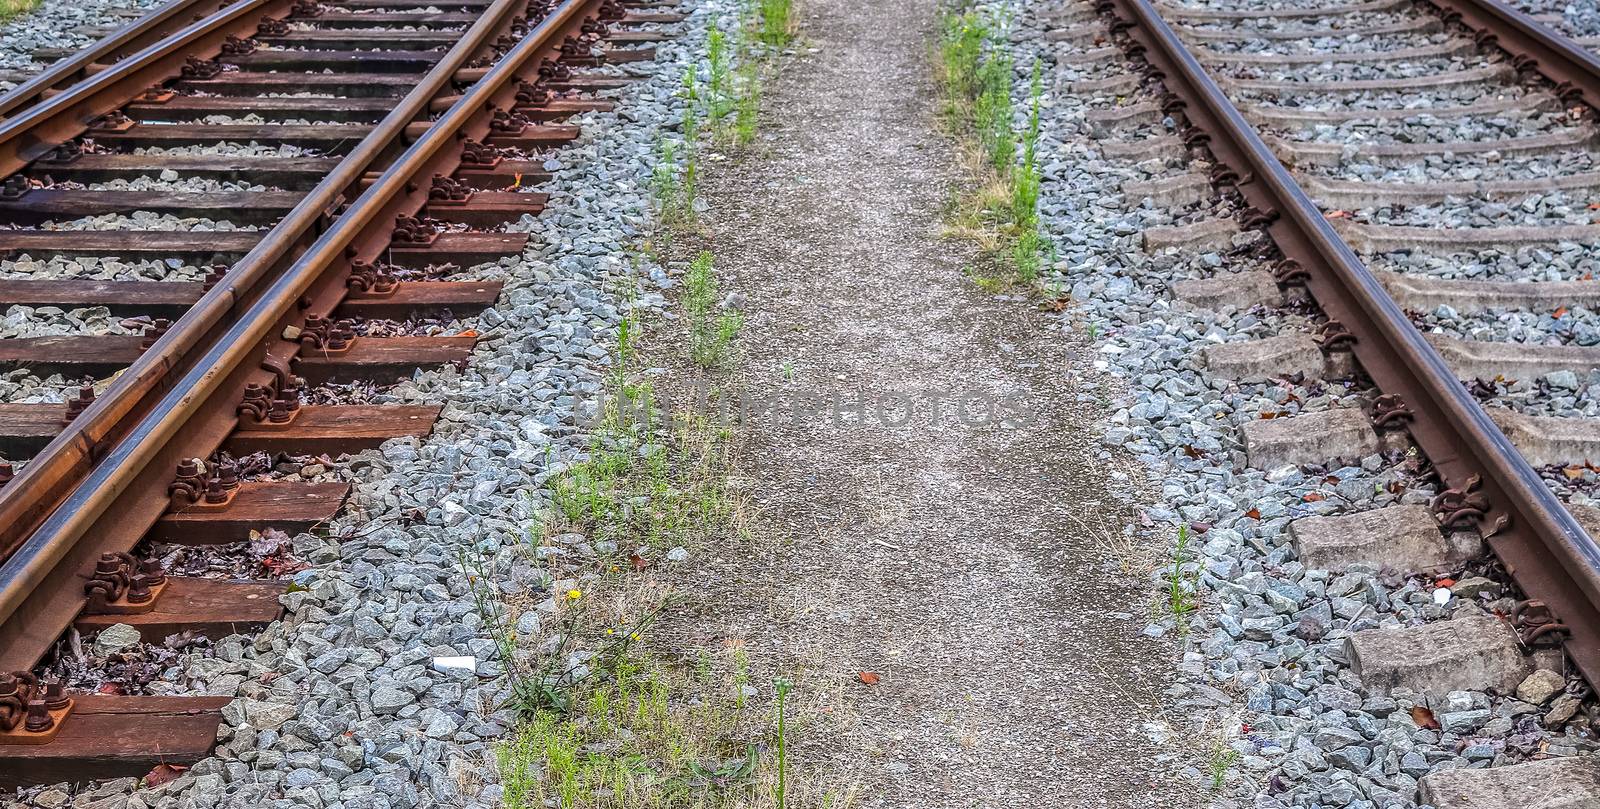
<point x="965" y="562"/>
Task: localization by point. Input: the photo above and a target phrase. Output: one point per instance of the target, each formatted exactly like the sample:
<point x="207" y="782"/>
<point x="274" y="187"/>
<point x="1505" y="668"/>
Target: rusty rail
<point x="125" y="41"/>
<point x="117" y="457"/>
<point x="63" y="116"/>
<point x="1530" y="44"/>
<point x="1529" y="529"/>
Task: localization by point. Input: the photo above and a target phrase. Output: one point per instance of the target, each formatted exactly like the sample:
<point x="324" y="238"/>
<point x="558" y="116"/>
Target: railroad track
<point x="1410" y="184"/>
<point x="274" y="200"/>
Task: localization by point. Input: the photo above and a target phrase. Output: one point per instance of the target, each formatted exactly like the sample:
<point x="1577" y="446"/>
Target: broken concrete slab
<point x="1482" y="75"/>
<point x="1205" y="235"/>
<point x="1240" y="290"/>
<point x="1177" y="191"/>
<point x="1425" y="293"/>
<point x="1436" y="51"/>
<point x="1119" y="84"/>
<point x="1303" y="153"/>
<point x="1178" y="11"/>
<point x="1474" y="653"/>
<point x="1279" y="115"/>
<point x="1093" y="56"/>
<point x="1315" y="438"/>
<point x="1483" y="359"/>
<point x="1405" y="538"/>
<point x="1108" y="120"/>
<point x="1092" y="33"/>
<point x="1358" y="194"/>
<point x="1366" y="238"/>
<point x="1158" y="148"/>
<point x="1264" y="359"/>
<point x="1572" y="782"/>
<point x="1550" y="440"/>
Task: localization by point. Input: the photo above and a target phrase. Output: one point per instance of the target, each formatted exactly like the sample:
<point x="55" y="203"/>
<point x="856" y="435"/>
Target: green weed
<point x="1222" y="760"/>
<point x="975" y="69"/>
<point x="775" y="22"/>
<point x="711" y="330"/>
<point x="1180" y="585"/>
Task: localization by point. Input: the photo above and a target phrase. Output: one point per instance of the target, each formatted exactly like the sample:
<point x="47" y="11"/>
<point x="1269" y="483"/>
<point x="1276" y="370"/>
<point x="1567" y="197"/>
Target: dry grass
<point x="14" y="8"/>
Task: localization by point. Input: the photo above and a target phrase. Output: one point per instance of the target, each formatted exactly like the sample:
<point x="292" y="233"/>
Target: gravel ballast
<point x="351" y="700"/>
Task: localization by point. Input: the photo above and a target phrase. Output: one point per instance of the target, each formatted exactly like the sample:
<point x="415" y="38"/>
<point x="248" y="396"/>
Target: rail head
<point x="1552" y="557"/>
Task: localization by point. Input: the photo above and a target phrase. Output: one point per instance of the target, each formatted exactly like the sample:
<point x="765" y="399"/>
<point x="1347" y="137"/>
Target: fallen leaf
<point x="1424" y="718"/>
<point x="163" y="774"/>
<point x="1560" y="313"/>
<point x="639" y="562"/>
<point x="468" y="333"/>
<point x="1254" y="514"/>
<point x="867" y="677"/>
<point x="1189" y="450"/>
<point x="1338" y="214"/>
<point x="1573" y="472"/>
<point x="1312" y="497"/>
<point x="1445" y="583"/>
<point x="110" y="688"/>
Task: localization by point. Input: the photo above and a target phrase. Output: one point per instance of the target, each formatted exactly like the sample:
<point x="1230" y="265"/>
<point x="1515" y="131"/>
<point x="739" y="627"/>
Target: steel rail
<point x="43" y="126"/>
<point x="25" y="500"/>
<point x="240" y="326"/>
<point x="1528" y="528"/>
<point x="1531" y="44"/>
<point x="136" y="35"/>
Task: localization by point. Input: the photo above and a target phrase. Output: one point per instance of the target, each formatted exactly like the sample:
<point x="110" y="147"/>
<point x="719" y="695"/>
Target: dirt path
<point x="960" y="562"/>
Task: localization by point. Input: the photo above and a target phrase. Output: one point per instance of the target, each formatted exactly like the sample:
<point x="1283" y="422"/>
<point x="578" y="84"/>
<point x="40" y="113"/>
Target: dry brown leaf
<point x="867" y="677"/>
<point x="163" y="774"/>
<point x="1424" y="718"/>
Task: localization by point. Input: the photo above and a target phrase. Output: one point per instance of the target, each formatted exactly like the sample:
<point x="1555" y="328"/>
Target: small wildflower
<point x="574" y="594"/>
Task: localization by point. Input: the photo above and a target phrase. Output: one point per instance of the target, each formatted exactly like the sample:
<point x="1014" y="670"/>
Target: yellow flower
<point x="611" y="631"/>
<point x="574" y="594"/>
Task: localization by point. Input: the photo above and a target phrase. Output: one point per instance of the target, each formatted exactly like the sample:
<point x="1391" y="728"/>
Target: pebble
<point x="114" y="639"/>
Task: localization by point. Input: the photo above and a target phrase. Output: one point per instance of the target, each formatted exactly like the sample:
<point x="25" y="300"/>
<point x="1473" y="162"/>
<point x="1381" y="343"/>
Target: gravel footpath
<point x="345" y="701"/>
<point x="1263" y="657"/>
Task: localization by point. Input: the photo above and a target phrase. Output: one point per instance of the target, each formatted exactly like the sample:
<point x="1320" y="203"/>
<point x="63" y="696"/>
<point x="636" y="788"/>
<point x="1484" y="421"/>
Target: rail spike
<point x="1334" y="335"/>
<point x="1460" y="507"/>
<point x="201" y="68"/>
<point x="1391" y="411"/>
<point x="372" y="279"/>
<point x="236" y="46"/>
<point x="411" y="230"/>
<point x="479" y="155"/>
